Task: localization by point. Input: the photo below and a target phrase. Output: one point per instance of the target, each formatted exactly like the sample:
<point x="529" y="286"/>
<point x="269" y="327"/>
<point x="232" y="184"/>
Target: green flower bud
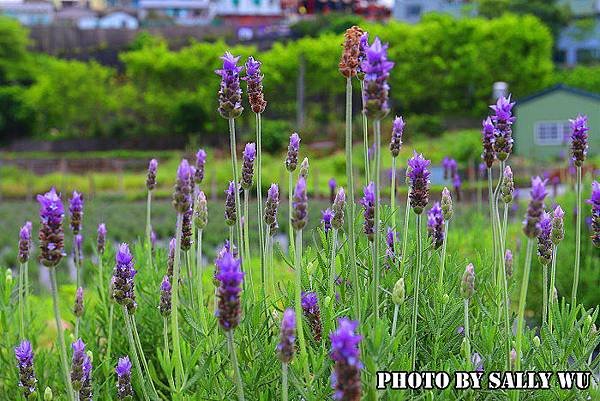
<point x="90" y="354"/>
<point x="304" y="168"/>
<point x="48" y="394"/>
<point x="446" y="298"/>
<point x="398" y="292"/>
<point x="536" y="341"/>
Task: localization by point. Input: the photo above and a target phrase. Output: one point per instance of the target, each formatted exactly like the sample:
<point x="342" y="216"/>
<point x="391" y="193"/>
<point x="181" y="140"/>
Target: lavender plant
<point x="286" y="347"/>
<point x="27" y="379"/>
<point x="395" y="146"/>
<point x="557" y="234"/>
<point x="151" y="186"/>
<point x="23" y="257"/>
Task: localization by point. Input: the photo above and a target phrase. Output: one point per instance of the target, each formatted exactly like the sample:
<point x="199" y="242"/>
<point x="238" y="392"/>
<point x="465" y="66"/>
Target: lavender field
<point x="270" y="293"/>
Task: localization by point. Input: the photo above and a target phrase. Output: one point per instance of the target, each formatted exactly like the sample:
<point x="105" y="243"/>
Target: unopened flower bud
<point x="398" y="292"/>
<point x="467" y="287"/>
<point x="48" y="394"/>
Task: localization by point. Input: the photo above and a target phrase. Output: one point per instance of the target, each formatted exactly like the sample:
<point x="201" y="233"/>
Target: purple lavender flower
<point x="300" y="205"/>
<point x="508" y="263"/>
<point x="350" y="62"/>
<point x="291" y="161"/>
<point x="579" y="139"/>
<point x="230" y="92"/>
<point x="254" y="79"/>
<point x="230" y="210"/>
<point x="450" y="167"/>
<point x="368" y="203"/>
<point x="362" y="54"/>
<point x="76" y="211"/>
<point x="182" y="193"/>
<point x="595" y="202"/>
<point x="285" y="348"/>
<point x="78" y="251"/>
<point x="101" y="241"/>
<point x="447" y="210"/>
<point x="544" y="242"/>
<point x="482" y="170"/>
<point x="332" y="187"/>
<point x="327" y="217"/>
<point x="186" y="229"/>
<point x="377" y="71"/>
<point x="51" y="233"/>
<point x="419" y="182"/>
<point x="477" y="362"/>
<point x="171" y="257"/>
<point x="248" y="165"/>
<point x="78" y="306"/>
<point x="201" y="211"/>
<point x="86" y="392"/>
<point x="77" y="364"/>
<point x="396" y="141"/>
<point x="123" y="371"/>
<point x="435" y="225"/>
<point x="508" y="185"/>
<point x="151" y="176"/>
<point x="25" y="242"/>
<point x="165" y="297"/>
<point x="339" y="203"/>
<point x="122" y="284"/>
<point x="503" y="121"/>
<point x="312" y="312"/>
<point x="345" y="379"/>
<point x="487" y="139"/>
<point x="457" y="183"/>
<point x="535" y="209"/>
<point x="230" y="277"/>
<point x="467" y="287"/>
<point x="271" y="206"/>
<point x="558" y="230"/>
<point x="27" y="379"/>
<point x="200" y="163"/>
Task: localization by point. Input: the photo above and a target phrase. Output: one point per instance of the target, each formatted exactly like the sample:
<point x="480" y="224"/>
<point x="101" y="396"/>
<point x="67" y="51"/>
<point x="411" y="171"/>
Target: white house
<point x="249" y="8"/>
<point x="183" y="12"/>
<point x="118" y="20"/>
<point x="412" y="10"/>
<point x="30" y="13"/>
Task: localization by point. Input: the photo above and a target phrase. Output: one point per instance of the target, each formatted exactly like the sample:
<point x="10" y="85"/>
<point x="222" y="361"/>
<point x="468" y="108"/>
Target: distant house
<point x="182" y="12"/>
<point x="580" y="42"/>
<point x="118" y="20"/>
<point x="249" y="13"/>
<point x="412" y="10"/>
<point x="80" y="17"/>
<point x="30" y="13"/>
<point x="542" y="127"/>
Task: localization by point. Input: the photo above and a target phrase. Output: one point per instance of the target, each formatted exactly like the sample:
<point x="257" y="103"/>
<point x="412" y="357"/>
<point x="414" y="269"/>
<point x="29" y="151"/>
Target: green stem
<point x="350" y="203"/>
<point x="577" y="240"/>
<point x="136" y="337"/>
<point x="522" y="301"/>
<point x="377" y="129"/>
<point x="175" y="305"/>
<point x="149" y="227"/>
<point x="404" y="256"/>
<point x="77" y="264"/>
<point x="393" y="194"/>
<point x="238" y="203"/>
<point x="551" y="292"/>
<point x="60" y="332"/>
<point x="110" y="331"/>
<point x="269" y="257"/>
<point x="443" y="256"/>
<point x="261" y="232"/>
<point x="284" y="381"/>
<point x="134" y="355"/>
<point x="189" y="273"/>
<point x="395" y="321"/>
<point x="467" y="335"/>
<point x="167" y="353"/>
<point x="545" y="294"/>
<point x="365" y="128"/>
<point x="492" y="218"/>
<point x="247" y="243"/>
<point x="300" y="329"/>
<point x="26" y="289"/>
<point x="505" y="288"/>
<point x="200" y="284"/>
<point x="236" y="368"/>
<point x="290" y="228"/>
<point x="77" y="322"/>
<point x="21" y="301"/>
<point x="416" y="293"/>
<point x="332" y="263"/>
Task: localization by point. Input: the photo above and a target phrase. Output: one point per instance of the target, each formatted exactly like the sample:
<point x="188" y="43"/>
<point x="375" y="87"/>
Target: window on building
<point x="551" y="133"/>
<point x="413" y="10"/>
<point x="588" y="56"/>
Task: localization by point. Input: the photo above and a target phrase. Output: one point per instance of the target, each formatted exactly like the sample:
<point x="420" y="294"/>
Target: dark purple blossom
<point x="368" y="203"/>
<point x="151" y="176"/>
<point x="230" y="210"/>
<point x="376" y="68"/>
<point x="595" y="202"/>
<point x="248" y="165"/>
<point x="477" y="362"/>
<point x="327" y="217"/>
<point x="76" y="211"/>
<point x="171" y="257"/>
<point x="51" y="233"/>
<point x="27" y="379"/>
<point x="332" y="187"/>
<point x="230" y="279"/>
<point x="271" y="206"/>
<point x="579" y="140"/>
<point x="182" y="193"/>
<point x="396" y="141"/>
<point x="122" y="283"/>
<point x="390" y="251"/>
<point x="531" y="226"/>
<point x="487" y="139"/>
<point x="25" y="242"/>
<point x="345" y="352"/>
<point x="254" y="78"/>
<point x="362" y="54"/>
<point x="300" y="205"/>
<point x="165" y="297"/>
<point x="435" y="225"/>
<point x="78" y="305"/>
<point x="200" y="165"/>
<point x="123" y="371"/>
<point x="419" y="182"/>
<point x="285" y="348"/>
<point x="230" y="92"/>
<point x="503" y="120"/>
<point x="186" y="229"/>
<point x="101" y="241"/>
<point x="79" y="363"/>
<point x="312" y="312"/>
<point x="291" y="161"/>
<point x="544" y="241"/>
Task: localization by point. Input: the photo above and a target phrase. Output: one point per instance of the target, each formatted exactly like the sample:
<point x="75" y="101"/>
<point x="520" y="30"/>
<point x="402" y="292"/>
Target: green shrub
<point x="275" y="135"/>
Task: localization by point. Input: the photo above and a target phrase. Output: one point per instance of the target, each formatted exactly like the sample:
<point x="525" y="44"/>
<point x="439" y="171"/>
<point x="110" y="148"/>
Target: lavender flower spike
<point x="25" y="242"/>
<point x="27" y="379"/>
<point x="123" y="370"/>
<point x="78" y="306"/>
<point x="182" y="193"/>
<point x="332" y="186"/>
<point x="338" y="206"/>
<point x="151" y="176"/>
<point x="201" y="211"/>
<point x="467" y="287"/>
<point x="396" y="141"/>
<point x="544" y="242"/>
<point x="285" y="348"/>
<point x="230" y="211"/>
<point x="558" y="230"/>
<point x="200" y="164"/>
<point x="327" y="217"/>
<point x="487" y="139"/>
<point x="77" y="364"/>
<point x="368" y="203"/>
<point x="122" y="284"/>
<point x="447" y="210"/>
<point x="312" y="312"/>
<point x="248" y="165"/>
<point x="419" y="182"/>
<point x="579" y="139"/>
<point x="76" y="211"/>
<point x="51" y="230"/>
<point x="595" y="202"/>
<point x="345" y="379"/>
<point x="508" y="185"/>
<point x="165" y="297"/>
<point x="435" y="225"/>
<point x="254" y="79"/>
<point x="271" y="206"/>
<point x="101" y="241"/>
<point x="171" y="258"/>
<point x="230" y="277"/>
<point x="186" y="229"/>
<point x="349" y="62"/>
<point x="230" y="92"/>
<point x="508" y="263"/>
<point x="300" y="205"/>
<point x="291" y="161"/>
<point x="535" y="209"/>
<point x="377" y="71"/>
<point x="503" y="121"/>
<point x="304" y="167"/>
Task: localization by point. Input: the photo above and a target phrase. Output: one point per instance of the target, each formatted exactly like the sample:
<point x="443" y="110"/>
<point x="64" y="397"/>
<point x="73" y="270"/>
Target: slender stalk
<point x="21" y="301"/>
<point x="247" y="243"/>
<point x="26" y="289"/>
<point x="269" y="259"/>
<point x="443" y="256"/>
<point x="365" y="128"/>
<point x="505" y="288"/>
<point x="551" y="292"/>
<point x="416" y="293"/>
<point x="290" y="228"/>
<point x="236" y="368"/>
<point x="405" y="235"/>
<point x="545" y="295"/>
<point x="393" y="194"/>
<point x="467" y="335"/>
<point x="522" y="300"/>
<point x="492" y="218"/>
<point x="332" y="263"/>
<point x="238" y="203"/>
<point x="110" y="330"/>
<point x="175" y="305"/>
<point x="167" y="353"/>
<point x="395" y="321"/>
<point x="350" y="203"/>
<point x="199" y="283"/>
<point x="134" y="355"/>
<point x="77" y="322"/>
<point x="577" y="241"/>
<point x="149" y="227"/>
<point x="190" y="276"/>
<point x="77" y="264"/>
<point x="300" y="330"/>
<point x="284" y="381"/>
<point x="138" y="343"/>
<point x="60" y="333"/>
<point x="261" y="232"/>
<point x="377" y="129"/>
